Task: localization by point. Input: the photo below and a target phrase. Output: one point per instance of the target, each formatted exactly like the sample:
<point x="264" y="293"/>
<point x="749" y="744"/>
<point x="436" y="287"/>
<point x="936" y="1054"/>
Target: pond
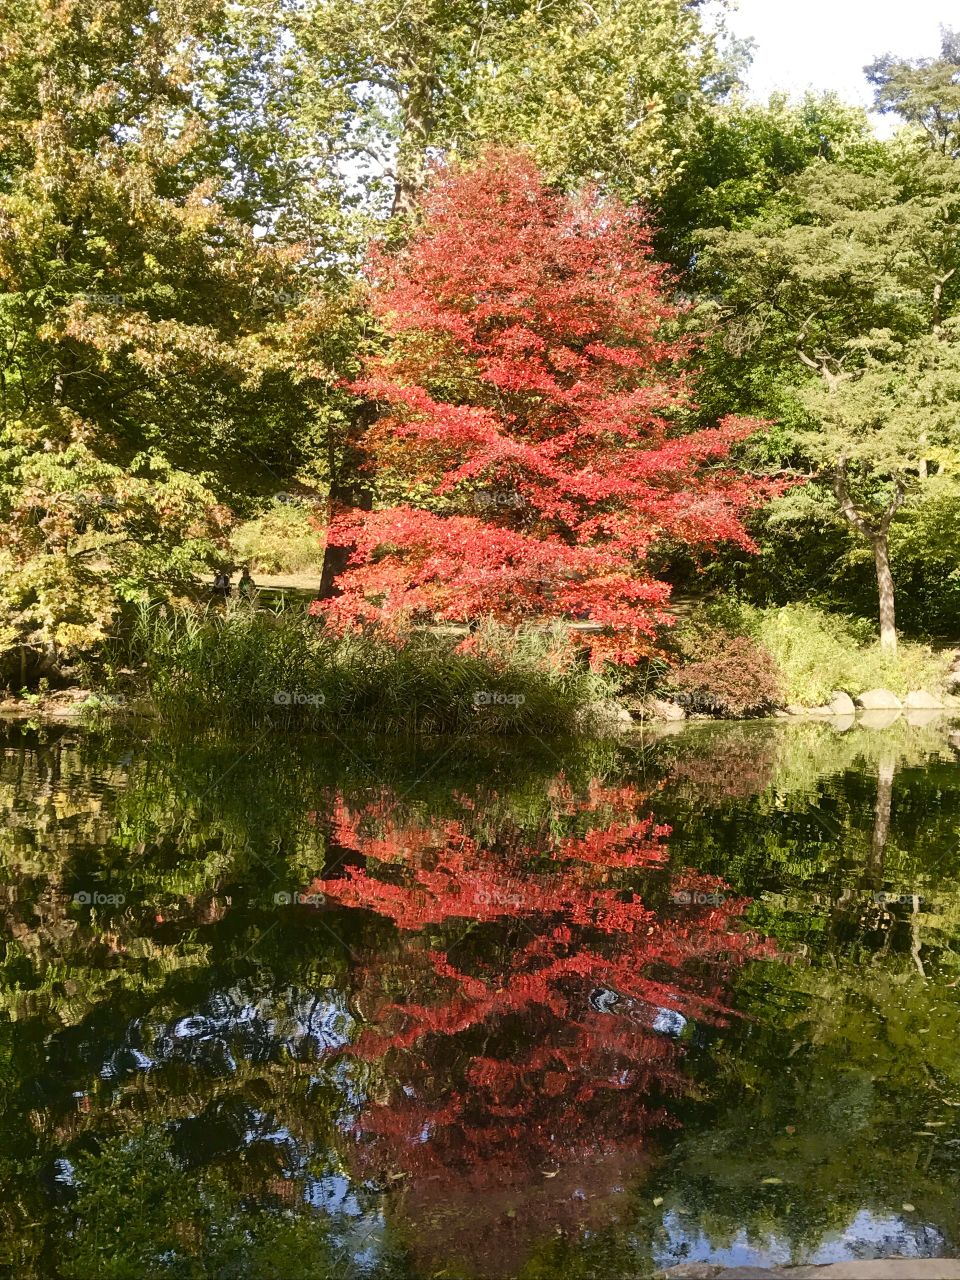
<point x="301" y="1008"/>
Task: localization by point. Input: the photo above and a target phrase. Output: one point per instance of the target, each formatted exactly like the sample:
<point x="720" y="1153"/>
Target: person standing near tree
<point x="221" y="585"/>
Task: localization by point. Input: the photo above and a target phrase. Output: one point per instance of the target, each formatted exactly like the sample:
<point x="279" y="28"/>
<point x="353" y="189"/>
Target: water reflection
<point x="532" y="1019"/>
<point x="569" y="1011"/>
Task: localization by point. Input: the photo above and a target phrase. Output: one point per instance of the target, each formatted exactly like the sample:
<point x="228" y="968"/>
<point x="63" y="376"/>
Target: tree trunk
<point x="876" y="534"/>
<point x="417" y="123"/>
<point x="888" y="614"/>
<point x="350" y="490"/>
<point x="342" y="498"/>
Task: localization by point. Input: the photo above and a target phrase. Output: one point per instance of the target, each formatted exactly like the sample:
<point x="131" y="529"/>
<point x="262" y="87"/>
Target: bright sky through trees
<point x="826" y="43"/>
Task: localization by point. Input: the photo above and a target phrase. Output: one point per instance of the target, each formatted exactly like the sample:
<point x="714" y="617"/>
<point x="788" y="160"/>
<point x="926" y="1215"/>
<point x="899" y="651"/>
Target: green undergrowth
<point x="250" y="669"/>
<point x="817" y="653"/>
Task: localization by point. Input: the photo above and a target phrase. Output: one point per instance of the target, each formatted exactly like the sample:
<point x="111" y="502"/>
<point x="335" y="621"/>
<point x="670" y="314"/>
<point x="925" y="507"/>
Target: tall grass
<point x="244" y="668"/>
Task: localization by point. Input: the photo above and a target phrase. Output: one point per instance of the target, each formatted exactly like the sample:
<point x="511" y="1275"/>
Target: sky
<point x="825" y="44"/>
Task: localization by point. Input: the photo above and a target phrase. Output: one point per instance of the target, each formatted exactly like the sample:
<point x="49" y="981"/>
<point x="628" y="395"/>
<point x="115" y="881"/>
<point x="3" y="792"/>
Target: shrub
<point x="815" y="652"/>
<point x="818" y="653"/>
<point x="282" y="540"/>
<point x="734" y="676"/>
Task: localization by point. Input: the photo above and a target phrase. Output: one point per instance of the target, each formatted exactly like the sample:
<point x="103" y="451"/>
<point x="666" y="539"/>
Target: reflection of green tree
<point x="182" y="1225"/>
<point x="807" y="830"/>
<point x="852" y="1047"/>
<point x="845" y="1090"/>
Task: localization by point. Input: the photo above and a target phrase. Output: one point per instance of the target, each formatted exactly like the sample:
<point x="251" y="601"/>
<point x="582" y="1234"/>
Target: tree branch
<point x="847" y="507"/>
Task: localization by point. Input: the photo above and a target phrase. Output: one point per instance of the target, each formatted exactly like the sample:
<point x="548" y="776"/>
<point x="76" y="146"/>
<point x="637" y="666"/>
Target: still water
<point x="290" y="1008"/>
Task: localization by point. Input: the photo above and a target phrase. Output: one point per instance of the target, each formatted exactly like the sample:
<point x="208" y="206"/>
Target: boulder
<point x="607" y="717"/>
<point x="842" y="704"/>
<point x="951" y="702"/>
<point x="920" y="700"/>
<point x="879" y="700"/>
<point x="661" y="709"/>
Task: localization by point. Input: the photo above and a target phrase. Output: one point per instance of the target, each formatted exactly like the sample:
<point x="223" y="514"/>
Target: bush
<point x="247" y="668"/>
<point x="814" y="652"/>
<point x="282" y="540"/>
<point x="819" y="653"/>
<point x="734" y="676"/>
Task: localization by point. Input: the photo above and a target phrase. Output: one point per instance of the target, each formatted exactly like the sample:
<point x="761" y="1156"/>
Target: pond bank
<point x="874" y="1269"/>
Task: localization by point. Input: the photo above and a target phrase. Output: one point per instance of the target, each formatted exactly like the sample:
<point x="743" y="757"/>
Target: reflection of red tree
<point x="538" y="1040"/>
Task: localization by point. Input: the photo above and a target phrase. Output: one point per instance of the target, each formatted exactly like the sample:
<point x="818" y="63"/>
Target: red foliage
<point x="520" y="1027"/>
<point x="533" y="394"/>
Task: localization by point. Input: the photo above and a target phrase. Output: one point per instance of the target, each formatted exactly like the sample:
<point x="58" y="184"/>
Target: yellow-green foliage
<point x="818" y="653"/>
<point x="282" y="540"/>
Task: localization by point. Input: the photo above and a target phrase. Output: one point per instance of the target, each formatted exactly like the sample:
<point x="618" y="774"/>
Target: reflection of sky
<point x="356" y="1232"/>
<point x="867" y="1236"/>
<point x="253" y="1026"/>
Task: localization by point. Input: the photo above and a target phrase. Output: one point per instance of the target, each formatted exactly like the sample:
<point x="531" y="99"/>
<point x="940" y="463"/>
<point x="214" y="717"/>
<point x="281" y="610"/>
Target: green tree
<point x="154" y="344"/>
<point x="841" y="299"/>
<point x="603" y="90"/>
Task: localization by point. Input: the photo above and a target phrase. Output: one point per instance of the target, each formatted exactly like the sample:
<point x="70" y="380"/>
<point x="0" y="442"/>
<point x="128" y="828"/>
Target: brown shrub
<point x="733" y="676"/>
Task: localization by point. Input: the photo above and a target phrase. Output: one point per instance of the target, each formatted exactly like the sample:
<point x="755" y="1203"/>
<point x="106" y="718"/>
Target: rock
<point x="951" y="702"/>
<point x="879" y="700"/>
<point x="661" y="709"/>
<point x="869" y="1269"/>
<point x="608" y="717"/>
<point x="842" y="704"/>
<point x="712" y="1271"/>
<point x="69" y="696"/>
<point x="795" y="710"/>
<point x="920" y="700"/>
<point x="855" y="1269"/>
<point x="824" y="713"/>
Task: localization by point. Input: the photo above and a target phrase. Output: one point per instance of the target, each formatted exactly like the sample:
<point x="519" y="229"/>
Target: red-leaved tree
<point x="530" y="436"/>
